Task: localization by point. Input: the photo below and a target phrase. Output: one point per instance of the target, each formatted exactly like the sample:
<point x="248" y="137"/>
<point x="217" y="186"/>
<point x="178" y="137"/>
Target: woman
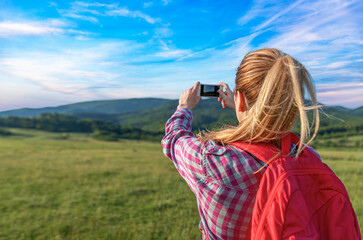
<point x="268" y="99"/>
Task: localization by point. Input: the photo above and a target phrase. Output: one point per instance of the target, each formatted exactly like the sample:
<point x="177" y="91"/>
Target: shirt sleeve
<point x="183" y="147"/>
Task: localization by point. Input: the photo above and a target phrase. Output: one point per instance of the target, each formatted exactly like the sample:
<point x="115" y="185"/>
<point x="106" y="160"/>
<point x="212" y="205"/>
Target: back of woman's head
<point x="273" y="85"/>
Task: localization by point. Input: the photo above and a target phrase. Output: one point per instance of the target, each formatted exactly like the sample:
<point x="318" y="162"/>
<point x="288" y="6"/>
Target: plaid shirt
<point x="221" y="177"/>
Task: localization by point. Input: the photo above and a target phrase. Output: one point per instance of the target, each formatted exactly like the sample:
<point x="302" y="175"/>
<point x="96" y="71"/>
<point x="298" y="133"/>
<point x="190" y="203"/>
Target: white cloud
<point x="81" y="17"/>
<point x="54" y="22"/>
<point x="77" y="72"/>
<point x="52" y="74"/>
<point x="336" y="87"/>
<point x="227" y="55"/>
<point x="9" y="29"/>
<point x="124" y="12"/>
<point x="82" y="38"/>
<point x="53" y="27"/>
<point x="172" y="53"/>
<point x="277" y="15"/>
<point x="324" y="35"/>
<point x="348" y="94"/>
<point x="257" y="9"/>
<point x="88" y="11"/>
<point x="334" y="65"/>
<point x="94" y="4"/>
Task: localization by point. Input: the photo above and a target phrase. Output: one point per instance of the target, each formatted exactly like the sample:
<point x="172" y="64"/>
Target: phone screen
<point x="209" y="90"/>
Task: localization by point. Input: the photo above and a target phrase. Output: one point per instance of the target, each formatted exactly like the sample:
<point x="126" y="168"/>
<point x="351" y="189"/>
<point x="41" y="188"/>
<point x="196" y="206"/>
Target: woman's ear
<point x="241" y="103"/>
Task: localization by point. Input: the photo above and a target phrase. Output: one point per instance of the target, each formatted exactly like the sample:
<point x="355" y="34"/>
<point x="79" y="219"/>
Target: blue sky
<point x="59" y="52"/>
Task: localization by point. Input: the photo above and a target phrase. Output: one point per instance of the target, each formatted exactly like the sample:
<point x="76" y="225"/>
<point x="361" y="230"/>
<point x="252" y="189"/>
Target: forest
<point x="63" y="123"/>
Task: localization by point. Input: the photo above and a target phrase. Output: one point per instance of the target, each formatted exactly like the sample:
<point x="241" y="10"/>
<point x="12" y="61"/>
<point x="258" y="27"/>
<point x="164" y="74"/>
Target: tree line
<point x="102" y="130"/>
<point x="105" y="130"/>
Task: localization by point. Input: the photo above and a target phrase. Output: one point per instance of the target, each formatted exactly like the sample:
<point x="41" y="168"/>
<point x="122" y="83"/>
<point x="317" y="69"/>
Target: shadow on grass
<point x="6" y="133"/>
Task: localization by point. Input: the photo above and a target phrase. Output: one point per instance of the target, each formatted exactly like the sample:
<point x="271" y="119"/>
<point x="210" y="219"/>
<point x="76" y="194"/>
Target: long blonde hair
<point x="273" y="84"/>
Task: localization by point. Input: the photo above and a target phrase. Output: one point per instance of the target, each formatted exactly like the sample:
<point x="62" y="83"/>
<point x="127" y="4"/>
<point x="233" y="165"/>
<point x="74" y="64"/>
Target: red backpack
<point x="299" y="198"/>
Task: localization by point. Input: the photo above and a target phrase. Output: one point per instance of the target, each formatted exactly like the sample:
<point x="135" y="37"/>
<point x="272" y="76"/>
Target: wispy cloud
<point x="99" y="71"/>
<point x="227" y="55"/>
<point x="81" y="17"/>
<point x="83" y="11"/>
<point x="124" y="12"/>
<point x="277" y="15"/>
<point x="151" y="58"/>
<point x="93" y="4"/>
<point x="324" y="35"/>
<point x="171" y="52"/>
<point x="55" y="27"/>
<point x="256" y="10"/>
<point x="77" y="72"/>
<point x="348" y="94"/>
<point x="91" y="11"/>
<point x="9" y="29"/>
<point x="328" y="26"/>
<point x="336" y="87"/>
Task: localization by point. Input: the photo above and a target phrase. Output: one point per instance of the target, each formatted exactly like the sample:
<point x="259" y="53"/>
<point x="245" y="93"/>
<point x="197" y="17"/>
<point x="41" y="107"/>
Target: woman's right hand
<point x="227" y="96"/>
<point x="189" y="98"/>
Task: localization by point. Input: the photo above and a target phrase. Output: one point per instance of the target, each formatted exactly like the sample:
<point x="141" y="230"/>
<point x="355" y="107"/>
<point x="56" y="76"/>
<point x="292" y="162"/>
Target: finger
<point x="224" y="85"/>
<point x="222" y="94"/>
<point x="220" y="91"/>
<point x="196" y="86"/>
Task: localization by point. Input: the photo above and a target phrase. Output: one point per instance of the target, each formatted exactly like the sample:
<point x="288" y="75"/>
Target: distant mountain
<point x="102" y="108"/>
<point x="207" y="114"/>
<point x="358" y="111"/>
<point x="150" y="114"/>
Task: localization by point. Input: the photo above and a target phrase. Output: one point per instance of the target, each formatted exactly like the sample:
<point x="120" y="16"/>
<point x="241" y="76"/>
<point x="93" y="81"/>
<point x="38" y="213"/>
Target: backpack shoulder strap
<point x="267" y="151"/>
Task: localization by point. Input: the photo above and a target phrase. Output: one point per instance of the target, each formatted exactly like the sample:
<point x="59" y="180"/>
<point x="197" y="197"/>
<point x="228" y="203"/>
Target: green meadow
<point x="70" y="186"/>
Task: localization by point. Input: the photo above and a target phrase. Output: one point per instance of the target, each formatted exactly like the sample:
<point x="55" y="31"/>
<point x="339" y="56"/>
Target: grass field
<point x="79" y="188"/>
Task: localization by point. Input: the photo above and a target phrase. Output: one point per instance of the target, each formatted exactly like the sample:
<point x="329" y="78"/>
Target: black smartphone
<point x="207" y="90"/>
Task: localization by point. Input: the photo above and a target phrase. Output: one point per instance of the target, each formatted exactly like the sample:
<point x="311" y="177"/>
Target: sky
<point x="59" y="52"/>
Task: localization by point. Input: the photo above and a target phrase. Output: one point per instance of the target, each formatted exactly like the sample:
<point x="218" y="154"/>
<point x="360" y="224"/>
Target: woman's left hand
<point x="189" y="98"/>
<point x="227" y="97"/>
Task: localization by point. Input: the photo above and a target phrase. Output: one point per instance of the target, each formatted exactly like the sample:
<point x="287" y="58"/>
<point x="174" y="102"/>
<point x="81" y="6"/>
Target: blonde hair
<point x="273" y="84"/>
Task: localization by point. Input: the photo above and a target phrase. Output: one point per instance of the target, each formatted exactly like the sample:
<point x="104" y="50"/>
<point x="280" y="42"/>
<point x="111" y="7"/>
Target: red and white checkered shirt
<point x="221" y="177"/>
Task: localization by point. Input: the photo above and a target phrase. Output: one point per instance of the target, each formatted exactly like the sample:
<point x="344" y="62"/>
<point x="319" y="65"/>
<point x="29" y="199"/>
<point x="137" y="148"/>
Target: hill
<point x="150" y="114"/>
<point x="103" y="108"/>
<point x="358" y="111"/>
<point x="207" y="114"/>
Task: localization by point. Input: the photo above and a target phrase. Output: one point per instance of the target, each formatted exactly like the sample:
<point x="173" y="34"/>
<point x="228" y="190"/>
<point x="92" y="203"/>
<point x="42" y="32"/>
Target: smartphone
<point x="207" y="90"/>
